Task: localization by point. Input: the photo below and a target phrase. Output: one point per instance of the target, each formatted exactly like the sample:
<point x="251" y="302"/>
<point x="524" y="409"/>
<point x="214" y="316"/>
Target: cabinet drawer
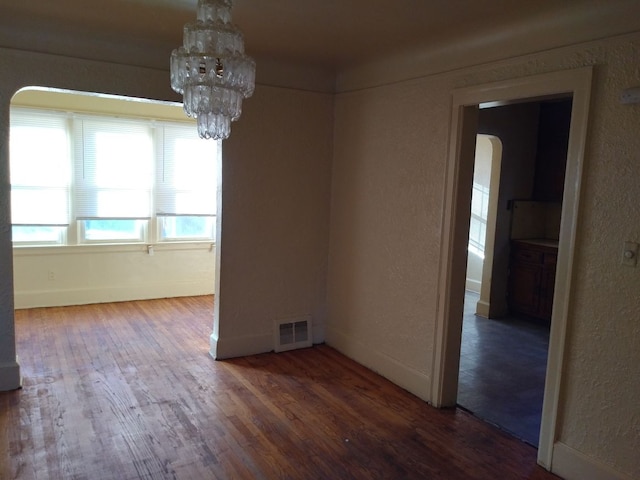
<point x="526" y="255"/>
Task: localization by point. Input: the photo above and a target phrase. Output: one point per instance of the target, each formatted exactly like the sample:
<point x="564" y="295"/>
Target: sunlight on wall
<point x="484" y="159"/>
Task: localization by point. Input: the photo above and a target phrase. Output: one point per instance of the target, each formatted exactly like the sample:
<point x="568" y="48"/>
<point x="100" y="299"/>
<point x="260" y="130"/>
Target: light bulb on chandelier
<point x="211" y="70"/>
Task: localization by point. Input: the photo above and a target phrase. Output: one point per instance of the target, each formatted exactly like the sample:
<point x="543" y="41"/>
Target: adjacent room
<point x="518" y="183"/>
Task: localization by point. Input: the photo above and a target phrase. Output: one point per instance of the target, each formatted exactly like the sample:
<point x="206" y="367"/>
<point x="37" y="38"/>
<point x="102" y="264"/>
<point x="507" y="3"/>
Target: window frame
<point x="149" y="227"/>
<point x="168" y="239"/>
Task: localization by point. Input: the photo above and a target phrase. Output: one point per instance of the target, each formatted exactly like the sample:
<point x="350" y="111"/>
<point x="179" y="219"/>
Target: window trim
<point x="73" y="233"/>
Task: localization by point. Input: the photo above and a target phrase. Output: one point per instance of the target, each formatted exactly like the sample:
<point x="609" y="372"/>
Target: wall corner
<point x="10" y="378"/>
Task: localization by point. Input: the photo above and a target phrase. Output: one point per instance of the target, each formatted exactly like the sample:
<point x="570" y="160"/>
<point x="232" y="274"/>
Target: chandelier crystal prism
<point x="211" y="70"/>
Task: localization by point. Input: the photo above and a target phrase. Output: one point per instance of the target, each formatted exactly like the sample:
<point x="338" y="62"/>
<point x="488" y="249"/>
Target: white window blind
<point x="111" y="176"/>
<point x="113" y="169"/>
<point x="186" y="177"/>
<point x="40" y="169"/>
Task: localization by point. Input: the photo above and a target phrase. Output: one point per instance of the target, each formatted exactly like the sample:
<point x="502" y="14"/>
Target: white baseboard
<point x="473" y="285"/>
<point x="10" y="376"/>
<point x="369" y="355"/>
<point x="482" y="309"/>
<point x="222" y="348"/>
<point x="571" y="464"/>
<point x="146" y="291"/>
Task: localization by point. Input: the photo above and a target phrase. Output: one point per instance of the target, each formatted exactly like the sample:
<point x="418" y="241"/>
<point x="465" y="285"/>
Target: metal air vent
<point x="292" y="333"/>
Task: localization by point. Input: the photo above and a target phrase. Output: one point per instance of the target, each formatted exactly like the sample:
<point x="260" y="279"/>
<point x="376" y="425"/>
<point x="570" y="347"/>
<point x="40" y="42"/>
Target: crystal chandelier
<point x="211" y="70"/>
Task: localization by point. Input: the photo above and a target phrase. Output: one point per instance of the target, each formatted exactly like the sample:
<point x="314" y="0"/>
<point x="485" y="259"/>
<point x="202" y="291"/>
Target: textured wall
<point x="388" y="181"/>
<point x="601" y="410"/>
<point x="391" y="146"/>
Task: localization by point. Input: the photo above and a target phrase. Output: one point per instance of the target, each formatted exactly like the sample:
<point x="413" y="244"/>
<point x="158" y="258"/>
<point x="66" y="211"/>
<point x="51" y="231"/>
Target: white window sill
<point x="31" y="250"/>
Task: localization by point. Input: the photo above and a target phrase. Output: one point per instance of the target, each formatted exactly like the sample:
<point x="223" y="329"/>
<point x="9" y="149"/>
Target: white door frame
<point x="456" y="228"/>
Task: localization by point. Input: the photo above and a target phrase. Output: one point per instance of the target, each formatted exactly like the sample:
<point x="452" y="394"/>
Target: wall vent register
<point x="292" y="334"/>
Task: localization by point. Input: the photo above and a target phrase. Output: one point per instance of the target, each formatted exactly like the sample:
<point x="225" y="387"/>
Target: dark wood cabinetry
<point x="532" y="274"/>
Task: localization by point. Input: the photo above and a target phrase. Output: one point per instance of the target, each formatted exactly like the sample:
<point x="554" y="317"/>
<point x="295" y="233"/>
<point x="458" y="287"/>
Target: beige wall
<point x="276" y="171"/>
<point x="387" y="190"/>
<point x="53" y="276"/>
<point x="389" y="160"/>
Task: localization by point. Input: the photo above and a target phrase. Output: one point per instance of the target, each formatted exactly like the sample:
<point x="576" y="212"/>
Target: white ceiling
<point x="332" y="34"/>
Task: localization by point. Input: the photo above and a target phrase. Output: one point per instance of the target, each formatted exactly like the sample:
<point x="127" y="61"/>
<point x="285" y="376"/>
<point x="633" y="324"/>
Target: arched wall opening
<point x="113" y="199"/>
<point x="28" y="69"/>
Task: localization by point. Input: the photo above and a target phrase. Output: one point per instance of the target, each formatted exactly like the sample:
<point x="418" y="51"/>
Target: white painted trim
<point x="578" y="83"/>
<point x="146" y="291"/>
<point x="10" y="376"/>
<point x="222" y="348"/>
<point x="446" y="351"/>
<point x="473" y="285"/>
<point x="571" y="464"/>
<point x="482" y="309"/>
<point x="104" y="248"/>
<point x="370" y="356"/>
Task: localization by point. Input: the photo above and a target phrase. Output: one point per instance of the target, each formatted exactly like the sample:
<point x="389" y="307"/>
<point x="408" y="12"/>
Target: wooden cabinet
<point x="532" y="273"/>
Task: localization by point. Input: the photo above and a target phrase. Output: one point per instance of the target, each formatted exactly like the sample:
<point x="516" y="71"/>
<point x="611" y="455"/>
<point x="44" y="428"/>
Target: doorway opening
<point x="512" y="254"/>
<point x="457" y="210"/>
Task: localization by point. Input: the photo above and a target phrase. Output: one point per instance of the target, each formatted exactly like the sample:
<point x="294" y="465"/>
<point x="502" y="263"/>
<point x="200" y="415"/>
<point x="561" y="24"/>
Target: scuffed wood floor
<point x="128" y="391"/>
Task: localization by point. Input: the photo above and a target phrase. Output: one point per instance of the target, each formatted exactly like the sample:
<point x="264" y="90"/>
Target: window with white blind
<point x="109" y="180"/>
<point x="185" y="203"/>
<point x="40" y="177"/>
<point x="113" y="179"/>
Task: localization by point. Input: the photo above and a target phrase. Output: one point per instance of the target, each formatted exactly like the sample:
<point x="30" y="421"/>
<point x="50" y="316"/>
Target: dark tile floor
<point x="502" y="371"/>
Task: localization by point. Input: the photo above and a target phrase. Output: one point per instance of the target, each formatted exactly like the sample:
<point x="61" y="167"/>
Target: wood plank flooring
<point x="128" y="391"/>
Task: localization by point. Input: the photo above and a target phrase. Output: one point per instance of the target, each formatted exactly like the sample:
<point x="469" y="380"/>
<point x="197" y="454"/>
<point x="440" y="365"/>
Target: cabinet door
<point x="524" y="294"/>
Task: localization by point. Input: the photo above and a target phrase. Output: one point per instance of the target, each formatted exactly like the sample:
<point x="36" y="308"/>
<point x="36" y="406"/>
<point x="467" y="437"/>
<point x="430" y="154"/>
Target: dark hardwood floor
<point x="128" y="391"/>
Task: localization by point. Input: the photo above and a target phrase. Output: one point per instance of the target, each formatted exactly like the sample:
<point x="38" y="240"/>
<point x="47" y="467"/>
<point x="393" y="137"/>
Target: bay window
<point x="80" y="179"/>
